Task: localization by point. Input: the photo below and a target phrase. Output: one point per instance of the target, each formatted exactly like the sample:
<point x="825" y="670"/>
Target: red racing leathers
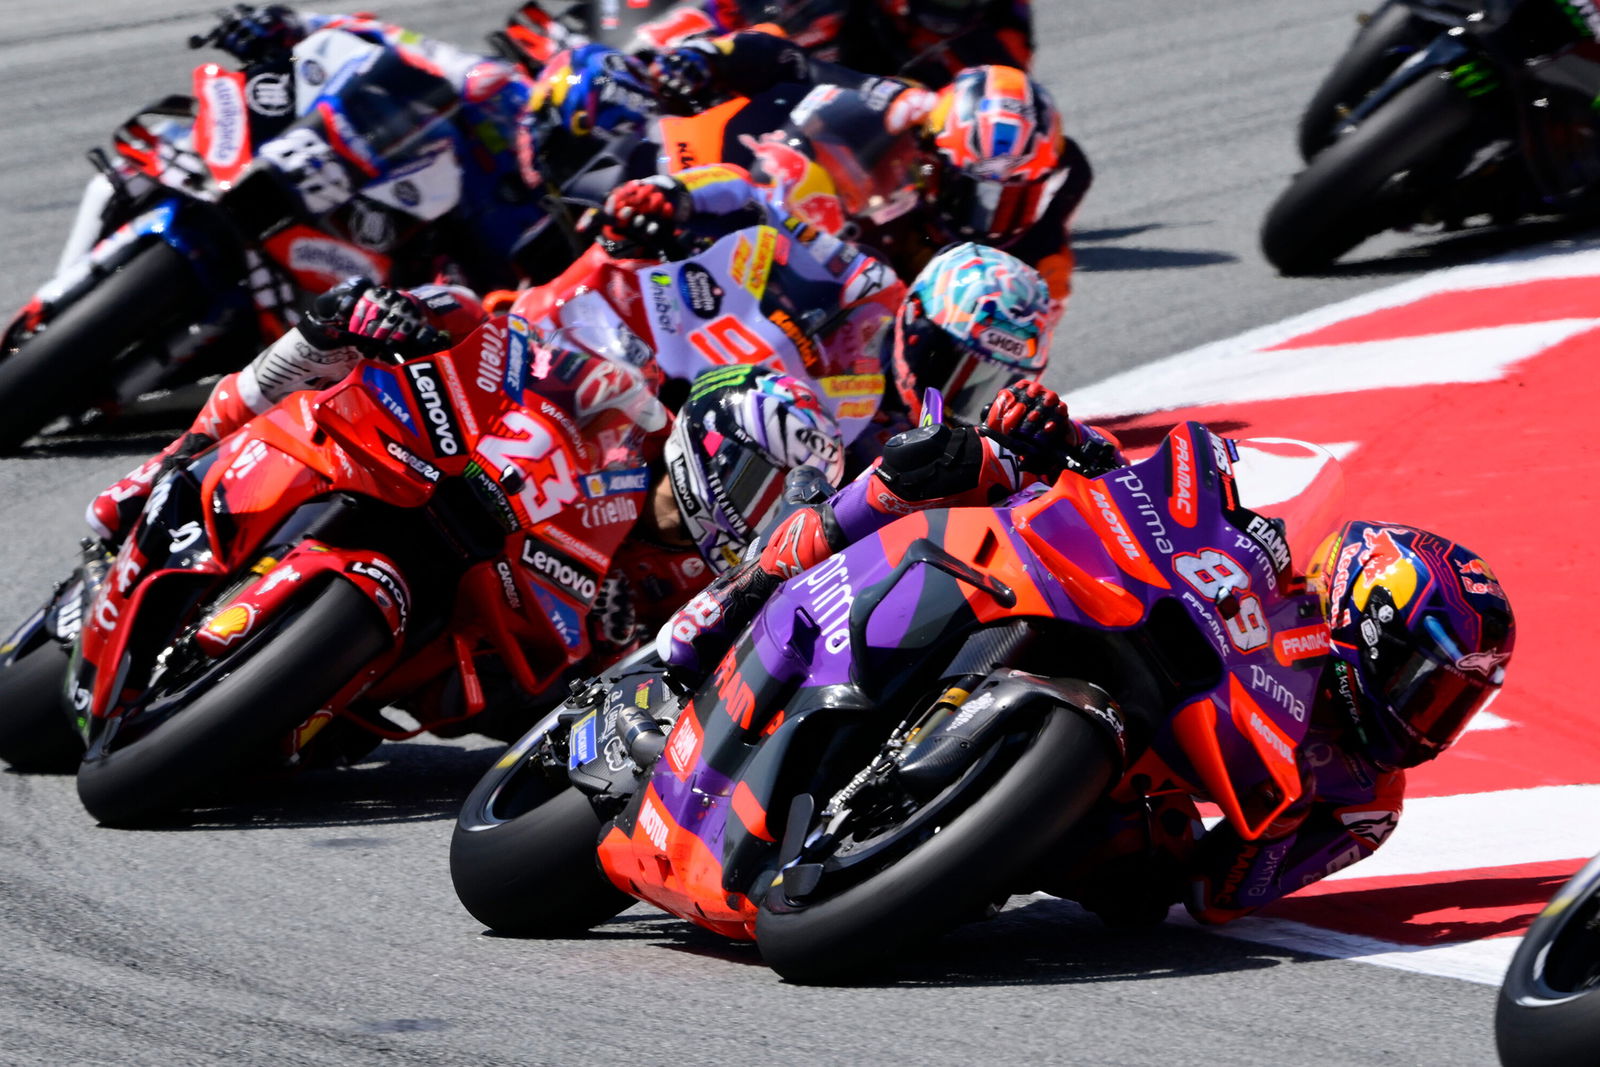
<point x="638" y="585"/>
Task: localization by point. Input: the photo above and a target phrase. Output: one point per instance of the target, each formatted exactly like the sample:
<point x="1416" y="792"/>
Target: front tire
<point x="977" y="855"/>
<point x="35" y="733"/>
<point x="1368" y="181"/>
<point x="62" y="367"/>
<point x="1382" y="45"/>
<point x="522" y="858"/>
<point x="274" y="684"/>
<point x="1549" y="1007"/>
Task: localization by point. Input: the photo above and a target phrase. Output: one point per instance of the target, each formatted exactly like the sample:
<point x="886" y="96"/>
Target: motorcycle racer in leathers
<point x="716" y="471"/>
<point x="1420" y="635"/>
<point x="915" y="169"/>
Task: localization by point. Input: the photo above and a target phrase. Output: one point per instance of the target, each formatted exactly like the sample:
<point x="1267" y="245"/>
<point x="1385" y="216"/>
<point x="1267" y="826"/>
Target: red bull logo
<point x="1384" y="563"/>
<point x="822" y="210"/>
<point x="777" y="161"/>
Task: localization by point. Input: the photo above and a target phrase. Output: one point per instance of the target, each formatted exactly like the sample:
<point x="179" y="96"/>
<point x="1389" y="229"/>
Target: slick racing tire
<point x="962" y="862"/>
<point x="276" y="681"/>
<point x="35" y="733"/>
<point x="1549" y="1008"/>
<point x="523" y="854"/>
<point x="61" y="368"/>
<point x="1373" y="178"/>
<point x="1392" y="34"/>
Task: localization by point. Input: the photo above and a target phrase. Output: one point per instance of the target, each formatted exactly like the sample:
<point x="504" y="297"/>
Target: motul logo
<point x="1113" y="521"/>
<point x="654" y="825"/>
<point x="1259" y="727"/>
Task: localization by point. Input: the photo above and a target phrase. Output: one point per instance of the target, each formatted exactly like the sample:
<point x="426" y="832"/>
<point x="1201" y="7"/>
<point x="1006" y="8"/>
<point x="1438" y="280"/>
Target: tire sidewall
<point x="1065" y="769"/>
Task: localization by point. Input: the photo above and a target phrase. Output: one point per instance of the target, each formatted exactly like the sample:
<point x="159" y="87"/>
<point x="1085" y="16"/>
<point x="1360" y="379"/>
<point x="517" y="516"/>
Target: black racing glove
<point x="250" y="34"/>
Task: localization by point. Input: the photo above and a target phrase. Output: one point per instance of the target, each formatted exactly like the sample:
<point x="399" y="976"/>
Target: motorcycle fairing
<point x="222" y="122"/>
<point x="840" y="643"/>
<point x="749" y="298"/>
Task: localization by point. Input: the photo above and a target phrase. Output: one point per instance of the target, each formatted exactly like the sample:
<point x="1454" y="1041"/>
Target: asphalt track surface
<point x="315" y="923"/>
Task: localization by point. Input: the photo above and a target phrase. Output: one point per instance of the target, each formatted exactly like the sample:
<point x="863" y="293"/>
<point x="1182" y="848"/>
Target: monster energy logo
<point x="718" y="378"/>
<point x="1475" y="78"/>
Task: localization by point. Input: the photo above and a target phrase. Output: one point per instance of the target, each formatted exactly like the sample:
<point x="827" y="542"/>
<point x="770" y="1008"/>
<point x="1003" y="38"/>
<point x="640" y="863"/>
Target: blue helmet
<point x="579" y="92"/>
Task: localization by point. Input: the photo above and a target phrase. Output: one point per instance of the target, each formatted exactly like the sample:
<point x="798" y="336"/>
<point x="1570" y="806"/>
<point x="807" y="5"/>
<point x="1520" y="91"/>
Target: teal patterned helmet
<point x="974" y="321"/>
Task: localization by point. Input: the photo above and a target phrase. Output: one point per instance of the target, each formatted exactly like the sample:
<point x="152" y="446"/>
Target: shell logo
<point x="232" y="624"/>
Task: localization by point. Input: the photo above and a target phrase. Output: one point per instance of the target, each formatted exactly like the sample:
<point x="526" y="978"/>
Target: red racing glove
<point x="642" y="217"/>
<point x="1034" y="420"/>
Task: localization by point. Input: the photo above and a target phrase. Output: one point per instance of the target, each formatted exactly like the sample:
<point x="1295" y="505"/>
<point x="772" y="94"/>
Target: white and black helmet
<point x="737" y="436"/>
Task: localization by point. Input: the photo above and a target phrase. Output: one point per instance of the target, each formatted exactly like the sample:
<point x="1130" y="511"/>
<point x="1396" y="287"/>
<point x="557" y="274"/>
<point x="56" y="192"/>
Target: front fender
<point x="306" y="565"/>
<point x="1445" y="55"/>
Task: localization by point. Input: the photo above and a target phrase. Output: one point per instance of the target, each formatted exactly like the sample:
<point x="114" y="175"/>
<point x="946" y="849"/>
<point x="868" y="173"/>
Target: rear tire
<point x="35" y="734"/>
<point x="61" y="368"/>
<point x="523" y="855"/>
<point x="274" y="684"/>
<point x="980" y="853"/>
<point x="1343" y="196"/>
<point x="1382" y="45"/>
<point x="1549" y="1008"/>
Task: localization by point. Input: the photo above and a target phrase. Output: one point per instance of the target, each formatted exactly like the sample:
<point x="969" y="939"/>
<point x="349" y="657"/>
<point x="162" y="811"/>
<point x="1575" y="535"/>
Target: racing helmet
<point x="741" y="430"/>
<point x="863" y="147"/>
<point x="997" y="146"/>
<point x="1421" y="634"/>
<point x="578" y="92"/>
<point x="974" y="321"/>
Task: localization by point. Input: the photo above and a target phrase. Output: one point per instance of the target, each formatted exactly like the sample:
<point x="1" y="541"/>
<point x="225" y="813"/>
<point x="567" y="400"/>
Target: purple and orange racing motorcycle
<point x="910" y="731"/>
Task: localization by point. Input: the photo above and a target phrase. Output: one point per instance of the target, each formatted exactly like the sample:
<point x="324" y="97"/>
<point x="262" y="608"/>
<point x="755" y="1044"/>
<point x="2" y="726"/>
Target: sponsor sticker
<point x="556" y="567"/>
<point x="605" y="483"/>
<point x="438" y="417"/>
<point x="584" y="747"/>
<point x="700" y="290"/>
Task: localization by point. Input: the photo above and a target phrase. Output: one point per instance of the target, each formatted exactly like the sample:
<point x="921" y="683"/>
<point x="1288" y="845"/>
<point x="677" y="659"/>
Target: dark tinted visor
<point x="751" y="482"/>
<point x="1436" y="699"/>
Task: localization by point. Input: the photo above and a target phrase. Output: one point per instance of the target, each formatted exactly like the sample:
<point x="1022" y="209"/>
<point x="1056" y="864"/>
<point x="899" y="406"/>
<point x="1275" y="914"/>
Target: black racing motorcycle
<point x="1444" y="112"/>
<point x="1549" y="1009"/>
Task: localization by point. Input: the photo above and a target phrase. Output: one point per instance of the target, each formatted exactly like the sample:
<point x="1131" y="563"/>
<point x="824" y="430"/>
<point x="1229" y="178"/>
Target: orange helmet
<point x="998" y="149"/>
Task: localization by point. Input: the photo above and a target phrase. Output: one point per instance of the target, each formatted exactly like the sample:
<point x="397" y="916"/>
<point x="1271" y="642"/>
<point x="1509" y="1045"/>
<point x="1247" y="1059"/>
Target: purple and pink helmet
<point x="737" y="436"/>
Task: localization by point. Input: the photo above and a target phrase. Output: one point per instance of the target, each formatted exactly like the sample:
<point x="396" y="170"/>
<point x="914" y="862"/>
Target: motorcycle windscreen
<point x="1296" y="481"/>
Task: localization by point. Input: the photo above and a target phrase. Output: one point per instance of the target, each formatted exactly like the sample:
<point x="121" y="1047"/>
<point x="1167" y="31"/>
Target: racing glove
<point x="685" y="78"/>
<point x="371" y="319"/>
<point x="1033" y="422"/>
<point x="643" y="217"/>
<point x="250" y="34"/>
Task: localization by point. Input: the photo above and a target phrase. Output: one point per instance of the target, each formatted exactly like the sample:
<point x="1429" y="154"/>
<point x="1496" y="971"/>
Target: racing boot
<point x="112" y="513"/>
